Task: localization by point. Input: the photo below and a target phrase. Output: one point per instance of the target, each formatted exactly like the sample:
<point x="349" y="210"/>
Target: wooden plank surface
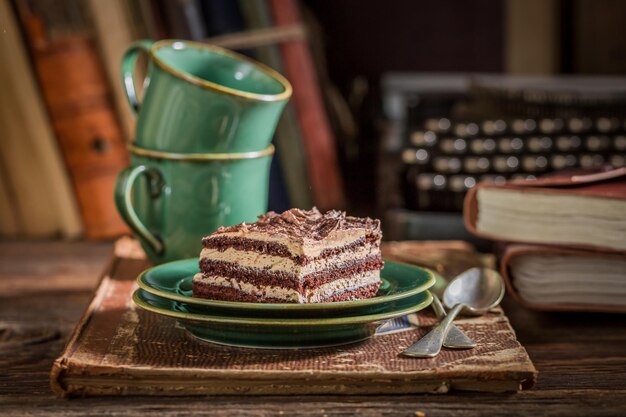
<point x="44" y="287"/>
<point x="118" y="349"/>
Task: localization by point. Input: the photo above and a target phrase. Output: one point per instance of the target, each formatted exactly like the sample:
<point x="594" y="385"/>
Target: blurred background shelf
<point x="367" y="77"/>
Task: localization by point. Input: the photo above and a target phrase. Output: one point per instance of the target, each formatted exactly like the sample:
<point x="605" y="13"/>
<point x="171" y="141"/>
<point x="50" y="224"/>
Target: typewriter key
<point x="605" y="124"/>
<point x="413" y="156"/>
<point x="618" y="161"/>
<point x="567" y="143"/>
<point x="456" y="183"/>
<point x="499" y="164"/>
<point x="512" y="163"/>
<point x="591" y="161"/>
<point x="579" y="125"/>
<point x="500" y="126"/>
<point x="447" y="145"/>
<point x="489" y="145"/>
<point x="427" y="138"/>
<point x="517" y="144"/>
<point x="439" y="182"/>
<point x="541" y="162"/>
<point x="558" y="161"/>
<point x="597" y="143"/>
<point x="460" y="145"/>
<point x="472" y="129"/>
<point x="619" y="142"/>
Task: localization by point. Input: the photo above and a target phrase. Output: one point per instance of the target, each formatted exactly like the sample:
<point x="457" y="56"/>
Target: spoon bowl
<point x="478" y="289"/>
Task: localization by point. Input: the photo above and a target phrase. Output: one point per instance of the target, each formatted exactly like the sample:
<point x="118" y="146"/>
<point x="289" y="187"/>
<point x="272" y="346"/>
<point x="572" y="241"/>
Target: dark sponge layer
<point x="261" y="277"/>
<point x="213" y="292"/>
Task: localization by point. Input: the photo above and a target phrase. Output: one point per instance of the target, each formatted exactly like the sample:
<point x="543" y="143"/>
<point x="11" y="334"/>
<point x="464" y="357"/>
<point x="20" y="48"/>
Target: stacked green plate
<point x="166" y="290"/>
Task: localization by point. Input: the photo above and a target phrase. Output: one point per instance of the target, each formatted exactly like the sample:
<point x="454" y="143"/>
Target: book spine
<point x="319" y="142"/>
<point x="288" y="138"/>
<point x="83" y="117"/>
<point x="36" y="197"/>
<point x="113" y="34"/>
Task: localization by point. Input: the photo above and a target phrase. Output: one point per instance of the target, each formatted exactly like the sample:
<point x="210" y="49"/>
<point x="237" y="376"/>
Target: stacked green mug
<point x="202" y="150"/>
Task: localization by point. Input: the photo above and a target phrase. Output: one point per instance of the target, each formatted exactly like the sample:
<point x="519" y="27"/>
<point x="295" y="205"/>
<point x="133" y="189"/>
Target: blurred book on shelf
<point x="319" y="142"/>
<point x="288" y="138"/>
<point x="448" y="133"/>
<point x="115" y="27"/>
<point x="36" y="198"/>
<point x="80" y="105"/>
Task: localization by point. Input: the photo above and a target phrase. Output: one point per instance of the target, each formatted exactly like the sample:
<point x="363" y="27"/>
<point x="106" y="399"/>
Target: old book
<point x="117" y="349"/>
<point x="114" y="34"/>
<point x="322" y="161"/>
<point x="563" y="279"/>
<point x="78" y="100"/>
<point x="36" y="197"/>
<point x="579" y="210"/>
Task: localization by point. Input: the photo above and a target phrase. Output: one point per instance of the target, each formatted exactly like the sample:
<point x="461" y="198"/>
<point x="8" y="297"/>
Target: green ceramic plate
<point x="173" y="281"/>
<point x="284" y="333"/>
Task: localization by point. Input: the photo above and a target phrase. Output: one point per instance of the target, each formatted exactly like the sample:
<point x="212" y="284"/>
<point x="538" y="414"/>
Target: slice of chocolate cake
<point x="298" y="256"/>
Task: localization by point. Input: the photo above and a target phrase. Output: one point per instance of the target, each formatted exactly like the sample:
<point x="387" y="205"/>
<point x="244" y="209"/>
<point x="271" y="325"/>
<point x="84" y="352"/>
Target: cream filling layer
<point x="313" y="295"/>
<point x="303" y="246"/>
<point x="270" y="263"/>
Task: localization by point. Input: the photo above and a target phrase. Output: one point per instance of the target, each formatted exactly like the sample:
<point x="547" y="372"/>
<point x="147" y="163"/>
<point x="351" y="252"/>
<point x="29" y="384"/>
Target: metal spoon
<point x="475" y="291"/>
<point x="455" y="339"/>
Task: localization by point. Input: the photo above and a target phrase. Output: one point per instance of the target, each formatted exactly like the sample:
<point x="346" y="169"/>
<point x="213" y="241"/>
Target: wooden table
<point x="44" y="286"/>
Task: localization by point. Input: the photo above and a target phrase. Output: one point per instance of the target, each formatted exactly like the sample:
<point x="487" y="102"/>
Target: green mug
<point x="172" y="200"/>
<point x="201" y="98"/>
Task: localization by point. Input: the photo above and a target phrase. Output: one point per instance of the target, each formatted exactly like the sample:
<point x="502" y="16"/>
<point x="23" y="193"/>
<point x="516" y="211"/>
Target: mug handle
<point x="123" y="201"/>
<point x="129" y="61"/>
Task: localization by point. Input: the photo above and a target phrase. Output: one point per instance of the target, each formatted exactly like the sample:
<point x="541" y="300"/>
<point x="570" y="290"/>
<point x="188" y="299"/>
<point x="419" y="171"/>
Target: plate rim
<point x="191" y="334"/>
<point x="282" y="322"/>
<point x="430" y="281"/>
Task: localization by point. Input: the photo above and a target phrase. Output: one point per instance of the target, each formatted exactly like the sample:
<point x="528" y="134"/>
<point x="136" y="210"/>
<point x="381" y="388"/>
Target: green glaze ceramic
<point x="201" y="98"/>
<point x="279" y="333"/>
<point x="173" y="281"/>
<point x="172" y="200"/>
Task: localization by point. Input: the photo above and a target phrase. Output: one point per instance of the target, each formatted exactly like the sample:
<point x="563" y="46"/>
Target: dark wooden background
<point x="45" y="286"/>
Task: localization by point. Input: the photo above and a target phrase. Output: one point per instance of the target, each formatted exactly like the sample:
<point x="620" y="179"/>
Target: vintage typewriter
<point x="445" y="158"/>
<point x="445" y="133"/>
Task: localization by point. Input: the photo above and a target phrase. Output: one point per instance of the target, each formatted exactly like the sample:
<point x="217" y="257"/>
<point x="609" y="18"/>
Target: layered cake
<point x="299" y="256"/>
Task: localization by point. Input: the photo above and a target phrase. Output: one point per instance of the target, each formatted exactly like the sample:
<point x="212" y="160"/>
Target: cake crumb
<point x="420" y="414"/>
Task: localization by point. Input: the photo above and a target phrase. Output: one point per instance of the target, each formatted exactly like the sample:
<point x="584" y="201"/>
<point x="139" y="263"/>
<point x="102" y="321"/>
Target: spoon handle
<point x="430" y="345"/>
<point x="455" y="338"/>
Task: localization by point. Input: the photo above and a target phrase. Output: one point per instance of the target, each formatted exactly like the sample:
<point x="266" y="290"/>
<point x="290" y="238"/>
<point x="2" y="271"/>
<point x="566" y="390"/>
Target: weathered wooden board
<point x="117" y="349"/>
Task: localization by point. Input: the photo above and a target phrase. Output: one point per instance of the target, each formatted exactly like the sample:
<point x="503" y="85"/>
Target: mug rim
<point x="174" y="156"/>
<point x="209" y="85"/>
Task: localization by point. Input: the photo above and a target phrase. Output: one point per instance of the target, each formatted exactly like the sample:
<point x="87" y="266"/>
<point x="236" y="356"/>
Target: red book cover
<point x="323" y="166"/>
